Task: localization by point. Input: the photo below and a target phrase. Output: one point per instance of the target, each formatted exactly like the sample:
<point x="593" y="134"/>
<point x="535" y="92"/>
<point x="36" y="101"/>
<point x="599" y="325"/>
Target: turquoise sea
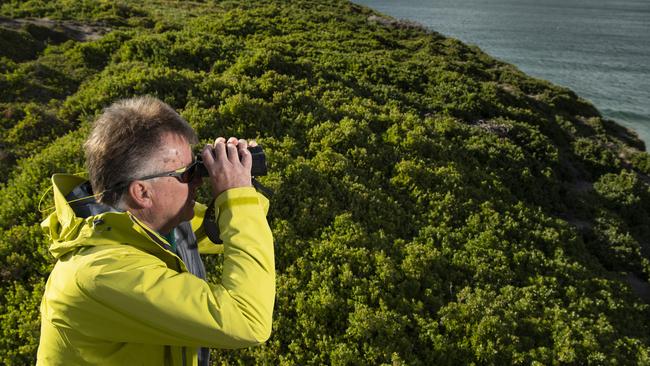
<point x="598" y="48"/>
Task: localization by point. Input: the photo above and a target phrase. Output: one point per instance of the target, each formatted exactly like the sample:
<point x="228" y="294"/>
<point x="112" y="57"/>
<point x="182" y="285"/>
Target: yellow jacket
<point x="116" y="296"/>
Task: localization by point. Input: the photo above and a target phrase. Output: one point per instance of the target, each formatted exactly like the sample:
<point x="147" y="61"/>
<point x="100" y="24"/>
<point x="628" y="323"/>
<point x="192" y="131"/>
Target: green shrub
<point x="641" y="161"/>
<point x="18" y="45"/>
<point x="432" y="205"/>
<point x="596" y="155"/>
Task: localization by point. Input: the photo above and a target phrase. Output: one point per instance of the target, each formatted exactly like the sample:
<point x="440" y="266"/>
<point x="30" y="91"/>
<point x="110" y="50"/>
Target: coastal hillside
<point x="433" y="205"/>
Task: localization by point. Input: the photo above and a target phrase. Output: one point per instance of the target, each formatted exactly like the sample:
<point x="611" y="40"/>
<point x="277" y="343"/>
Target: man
<point x="128" y="287"/>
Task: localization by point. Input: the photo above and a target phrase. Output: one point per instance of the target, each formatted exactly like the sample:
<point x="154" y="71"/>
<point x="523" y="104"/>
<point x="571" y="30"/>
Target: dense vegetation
<point x="433" y="205"/>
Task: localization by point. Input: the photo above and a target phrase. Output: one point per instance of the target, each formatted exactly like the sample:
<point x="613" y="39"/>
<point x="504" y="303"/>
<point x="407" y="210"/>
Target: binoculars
<point x="257" y="170"/>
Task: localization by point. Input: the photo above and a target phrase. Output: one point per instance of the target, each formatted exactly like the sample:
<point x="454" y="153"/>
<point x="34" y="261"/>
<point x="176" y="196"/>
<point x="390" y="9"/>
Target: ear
<point x="141" y="194"/>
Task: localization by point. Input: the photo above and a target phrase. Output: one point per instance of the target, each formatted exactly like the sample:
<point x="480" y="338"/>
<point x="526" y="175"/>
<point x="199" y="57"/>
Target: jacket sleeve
<point x="134" y="297"/>
<point x="206" y="246"/>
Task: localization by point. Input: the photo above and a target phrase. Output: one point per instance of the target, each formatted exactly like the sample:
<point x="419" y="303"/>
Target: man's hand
<point x="222" y="160"/>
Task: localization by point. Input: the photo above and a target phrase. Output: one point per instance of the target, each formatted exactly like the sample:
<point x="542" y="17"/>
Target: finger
<point x="220" y="151"/>
<point x="206" y="153"/>
<point x="233" y="155"/>
<point x="219" y="139"/>
<point x="233" y="140"/>
<point x="246" y="157"/>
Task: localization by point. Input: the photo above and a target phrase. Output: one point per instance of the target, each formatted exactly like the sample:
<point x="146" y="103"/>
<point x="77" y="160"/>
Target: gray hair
<point x="124" y="139"/>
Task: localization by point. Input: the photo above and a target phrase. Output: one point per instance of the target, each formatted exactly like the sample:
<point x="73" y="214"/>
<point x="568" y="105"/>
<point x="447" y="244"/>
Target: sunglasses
<point x="185" y="174"/>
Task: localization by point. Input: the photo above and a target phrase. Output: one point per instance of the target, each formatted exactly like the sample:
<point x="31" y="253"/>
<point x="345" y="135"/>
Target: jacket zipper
<point x="162" y="244"/>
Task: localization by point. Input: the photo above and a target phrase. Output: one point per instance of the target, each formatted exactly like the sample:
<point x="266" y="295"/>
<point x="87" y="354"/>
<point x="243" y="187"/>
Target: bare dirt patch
<point x="73" y="30"/>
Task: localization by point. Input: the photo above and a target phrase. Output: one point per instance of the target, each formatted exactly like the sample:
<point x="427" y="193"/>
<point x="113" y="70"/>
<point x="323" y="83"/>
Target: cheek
<point x="177" y="197"/>
<point x="184" y="194"/>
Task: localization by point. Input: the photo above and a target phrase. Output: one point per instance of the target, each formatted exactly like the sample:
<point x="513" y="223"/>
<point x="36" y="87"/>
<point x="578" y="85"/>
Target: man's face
<point x="173" y="201"/>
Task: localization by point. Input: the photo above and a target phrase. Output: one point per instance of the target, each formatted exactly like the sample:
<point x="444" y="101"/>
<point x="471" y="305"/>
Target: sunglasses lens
<point x="189" y="174"/>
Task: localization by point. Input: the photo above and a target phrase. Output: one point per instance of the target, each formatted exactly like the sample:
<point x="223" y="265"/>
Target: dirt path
<point x="73" y="30"/>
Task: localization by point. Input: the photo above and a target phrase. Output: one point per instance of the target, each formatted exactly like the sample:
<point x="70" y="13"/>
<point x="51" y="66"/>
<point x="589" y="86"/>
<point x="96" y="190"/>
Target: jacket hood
<point x="79" y="220"/>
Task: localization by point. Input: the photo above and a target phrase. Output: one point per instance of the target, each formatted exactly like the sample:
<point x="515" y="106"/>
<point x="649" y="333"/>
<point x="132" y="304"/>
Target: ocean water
<point x="598" y="48"/>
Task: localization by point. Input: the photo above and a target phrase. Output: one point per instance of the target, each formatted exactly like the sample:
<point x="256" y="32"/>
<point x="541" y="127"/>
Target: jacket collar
<point x="80" y="221"/>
